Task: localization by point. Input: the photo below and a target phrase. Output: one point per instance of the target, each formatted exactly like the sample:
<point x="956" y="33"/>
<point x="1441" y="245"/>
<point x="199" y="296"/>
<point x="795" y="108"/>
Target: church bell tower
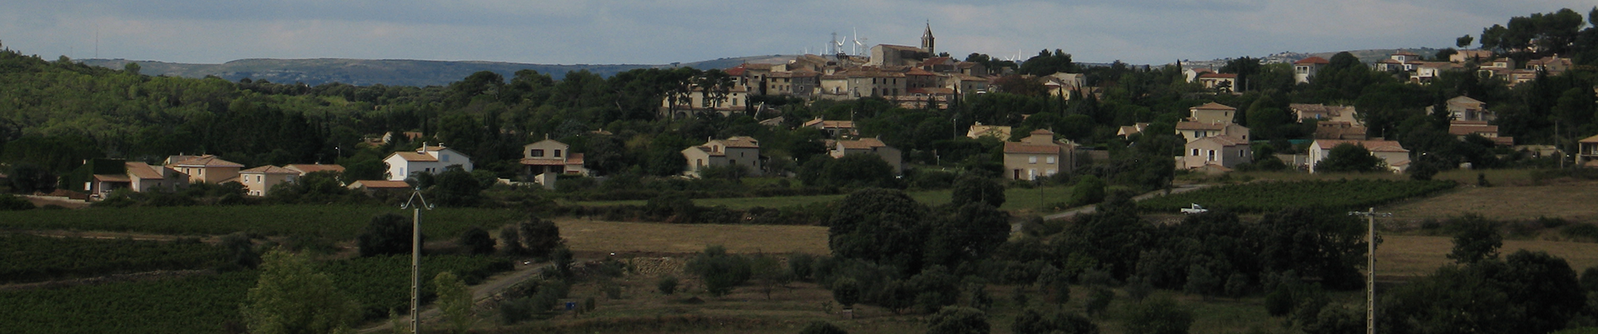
<point x="927" y="40"/>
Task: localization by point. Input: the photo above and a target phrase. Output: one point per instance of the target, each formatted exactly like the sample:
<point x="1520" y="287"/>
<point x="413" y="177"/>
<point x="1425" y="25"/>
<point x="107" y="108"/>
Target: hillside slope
<point x="391" y="72"/>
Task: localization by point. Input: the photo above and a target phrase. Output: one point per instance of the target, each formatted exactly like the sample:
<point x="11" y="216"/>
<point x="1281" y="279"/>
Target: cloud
<point x="663" y="31"/>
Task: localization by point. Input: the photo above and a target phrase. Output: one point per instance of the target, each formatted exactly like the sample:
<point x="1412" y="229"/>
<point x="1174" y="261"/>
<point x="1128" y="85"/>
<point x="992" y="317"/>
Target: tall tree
<point x="291" y="298"/>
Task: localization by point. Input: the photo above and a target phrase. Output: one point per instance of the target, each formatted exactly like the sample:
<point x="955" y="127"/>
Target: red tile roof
<point x="862" y="144"/>
<point x="312" y="168"/>
<point x="1024" y="148"/>
<point x="416" y="157"/>
<point x="379" y="184"/>
<point x="143" y="171"/>
<point x="1214" y="106"/>
<point x="1218" y="76"/>
<point x="269" y="170"/>
<point x="207" y="161"/>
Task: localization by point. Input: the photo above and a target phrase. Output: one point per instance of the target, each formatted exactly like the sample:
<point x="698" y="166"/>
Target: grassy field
<point x="1571" y="200"/>
<point x="1017" y="199"/>
<point x="600" y="236"/>
<point x="1411" y="255"/>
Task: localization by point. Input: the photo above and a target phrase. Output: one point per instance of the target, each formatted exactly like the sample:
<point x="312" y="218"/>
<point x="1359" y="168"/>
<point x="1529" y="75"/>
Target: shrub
<point x="385" y="234"/>
<point x="1099" y="299"/>
<point x="1159" y="315"/>
<point x="800" y="265"/>
<point x="515" y="310"/>
<point x="720" y="271"/>
<point x="846" y="291"/>
<point x="822" y="327"/>
<point x="1580" y="232"/>
<point x="540" y="237"/>
<point x="958" y="320"/>
<point x="667" y="285"/>
<point x="9" y="202"/>
<point x="511" y="240"/>
<point x="476" y="241"/>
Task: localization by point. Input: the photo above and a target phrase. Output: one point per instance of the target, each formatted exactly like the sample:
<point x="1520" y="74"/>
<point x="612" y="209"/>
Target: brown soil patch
<point x="1408" y="256"/>
<point x="1565" y="200"/>
<point x="585" y="236"/>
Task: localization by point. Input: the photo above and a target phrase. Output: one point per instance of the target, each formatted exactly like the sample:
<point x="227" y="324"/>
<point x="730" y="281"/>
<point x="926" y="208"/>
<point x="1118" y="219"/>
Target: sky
<point x="666" y="31"/>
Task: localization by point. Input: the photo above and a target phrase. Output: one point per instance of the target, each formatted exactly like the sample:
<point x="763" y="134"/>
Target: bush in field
<point x="476" y="241"/>
<point x="386" y="234"/>
<point x="720" y="271"/>
<point x="291" y="297"/>
<point x="822" y="327"/>
<point x="1158" y="315"/>
<point x="9" y="202"/>
<point x="958" y="320"/>
<point x="972" y="189"/>
<point x="539" y="237"/>
<point x="667" y="285"/>
<point x="1478" y="239"/>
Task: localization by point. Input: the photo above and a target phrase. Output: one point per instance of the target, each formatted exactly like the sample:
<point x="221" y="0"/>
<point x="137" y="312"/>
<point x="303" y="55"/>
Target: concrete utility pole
<point x="1370" y="267"/>
<point x="416" y="256"/>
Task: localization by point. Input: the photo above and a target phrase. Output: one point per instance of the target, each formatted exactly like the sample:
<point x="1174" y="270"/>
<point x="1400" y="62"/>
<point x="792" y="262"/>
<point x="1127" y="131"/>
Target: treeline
<point x="55" y="114"/>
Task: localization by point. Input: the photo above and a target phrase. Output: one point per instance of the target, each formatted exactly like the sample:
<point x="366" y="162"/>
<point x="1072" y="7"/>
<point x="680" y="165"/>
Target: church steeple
<point x="927" y="40"/>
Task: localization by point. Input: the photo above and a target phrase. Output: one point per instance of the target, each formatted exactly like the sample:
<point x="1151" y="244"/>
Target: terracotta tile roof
<point x="1313" y="60"/>
<point x="736" y="71"/>
<point x="574" y="159"/>
<point x="1371" y="145"/>
<point x="1213" y="106"/>
<point x="208" y="161"/>
<point x="312" y="168"/>
<point x="741" y="142"/>
<point x="1024" y="148"/>
<point x="416" y="157"/>
<point x="1224" y="140"/>
<point x="1200" y="126"/>
<point x="1590" y="140"/>
<point x="1218" y="76"/>
<point x="1461" y="130"/>
<point x="862" y="144"/>
<point x="269" y="170"/>
<point x="707" y="150"/>
<point x="143" y="171"/>
<point x="1041" y="132"/>
<point x="932" y="91"/>
<point x="112" y="178"/>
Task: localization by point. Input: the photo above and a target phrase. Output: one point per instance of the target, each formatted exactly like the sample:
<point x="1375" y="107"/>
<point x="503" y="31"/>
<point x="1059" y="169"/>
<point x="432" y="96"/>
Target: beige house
<point x="1306" y="68"/>
<point x="833" y="129"/>
<point x="1461" y="129"/>
<point x="735" y="151"/>
<point x="1222" y="81"/>
<point x="1212" y="113"/>
<point x="1339" y="130"/>
<point x="1129" y="130"/>
<point x="996" y="131"/>
<point x="547" y="158"/>
<point x="1588" y="156"/>
<point x="205" y="168"/>
<point x="871" y="146"/>
<point x="139" y="177"/>
<point x="1224" y="151"/>
<point x="259" y="181"/>
<point x="1199" y="130"/>
<point x="1390" y="152"/>
<point x="1464" y="108"/>
<point x="1038" y="155"/>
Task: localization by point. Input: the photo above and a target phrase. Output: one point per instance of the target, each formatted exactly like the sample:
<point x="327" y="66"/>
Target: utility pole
<point x="1370" y="267"/>
<point x="416" y="256"/>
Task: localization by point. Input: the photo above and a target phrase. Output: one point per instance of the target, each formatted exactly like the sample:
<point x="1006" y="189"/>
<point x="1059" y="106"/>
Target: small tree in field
<point x="958" y="320"/>
<point x="454" y="300"/>
<point x="291" y="297"/>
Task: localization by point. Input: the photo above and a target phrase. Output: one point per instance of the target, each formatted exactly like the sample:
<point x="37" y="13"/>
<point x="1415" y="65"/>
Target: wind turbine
<point x="859" y="43"/>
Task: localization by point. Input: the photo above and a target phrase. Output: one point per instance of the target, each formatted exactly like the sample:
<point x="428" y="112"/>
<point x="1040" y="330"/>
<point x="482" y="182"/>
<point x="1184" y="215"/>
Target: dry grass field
<point x="1570" y="200"/>
<point x="1410" y="255"/>
<point x="602" y="236"/>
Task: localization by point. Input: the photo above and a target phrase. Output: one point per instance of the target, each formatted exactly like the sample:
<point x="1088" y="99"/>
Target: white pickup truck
<point x="1195" y="209"/>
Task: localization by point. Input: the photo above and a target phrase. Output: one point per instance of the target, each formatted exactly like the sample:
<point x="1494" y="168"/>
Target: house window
<point x="1240" y="153"/>
<point x="536" y="153"/>
<point x="1049" y="172"/>
<point x="557" y="153"/>
<point x="699" y="162"/>
<point x="1211" y="155"/>
<point x="1195" y="152"/>
<point x="1049" y="159"/>
<point x="257" y="179"/>
<point x="1032" y="159"/>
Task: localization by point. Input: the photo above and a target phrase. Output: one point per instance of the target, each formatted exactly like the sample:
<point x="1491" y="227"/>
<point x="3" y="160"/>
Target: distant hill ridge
<point x="408" y="72"/>
<point x="391" y="72"/>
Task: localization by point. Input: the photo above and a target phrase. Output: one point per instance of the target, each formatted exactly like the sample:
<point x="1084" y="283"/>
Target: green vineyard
<point x="1261" y="197"/>
<point x="339" y="222"/>
<point x="30" y="258"/>
<point x="208" y="303"/>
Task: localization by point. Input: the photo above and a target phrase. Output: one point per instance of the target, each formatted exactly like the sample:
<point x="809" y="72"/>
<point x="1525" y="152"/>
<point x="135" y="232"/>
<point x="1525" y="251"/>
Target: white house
<point x="428" y="159"/>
